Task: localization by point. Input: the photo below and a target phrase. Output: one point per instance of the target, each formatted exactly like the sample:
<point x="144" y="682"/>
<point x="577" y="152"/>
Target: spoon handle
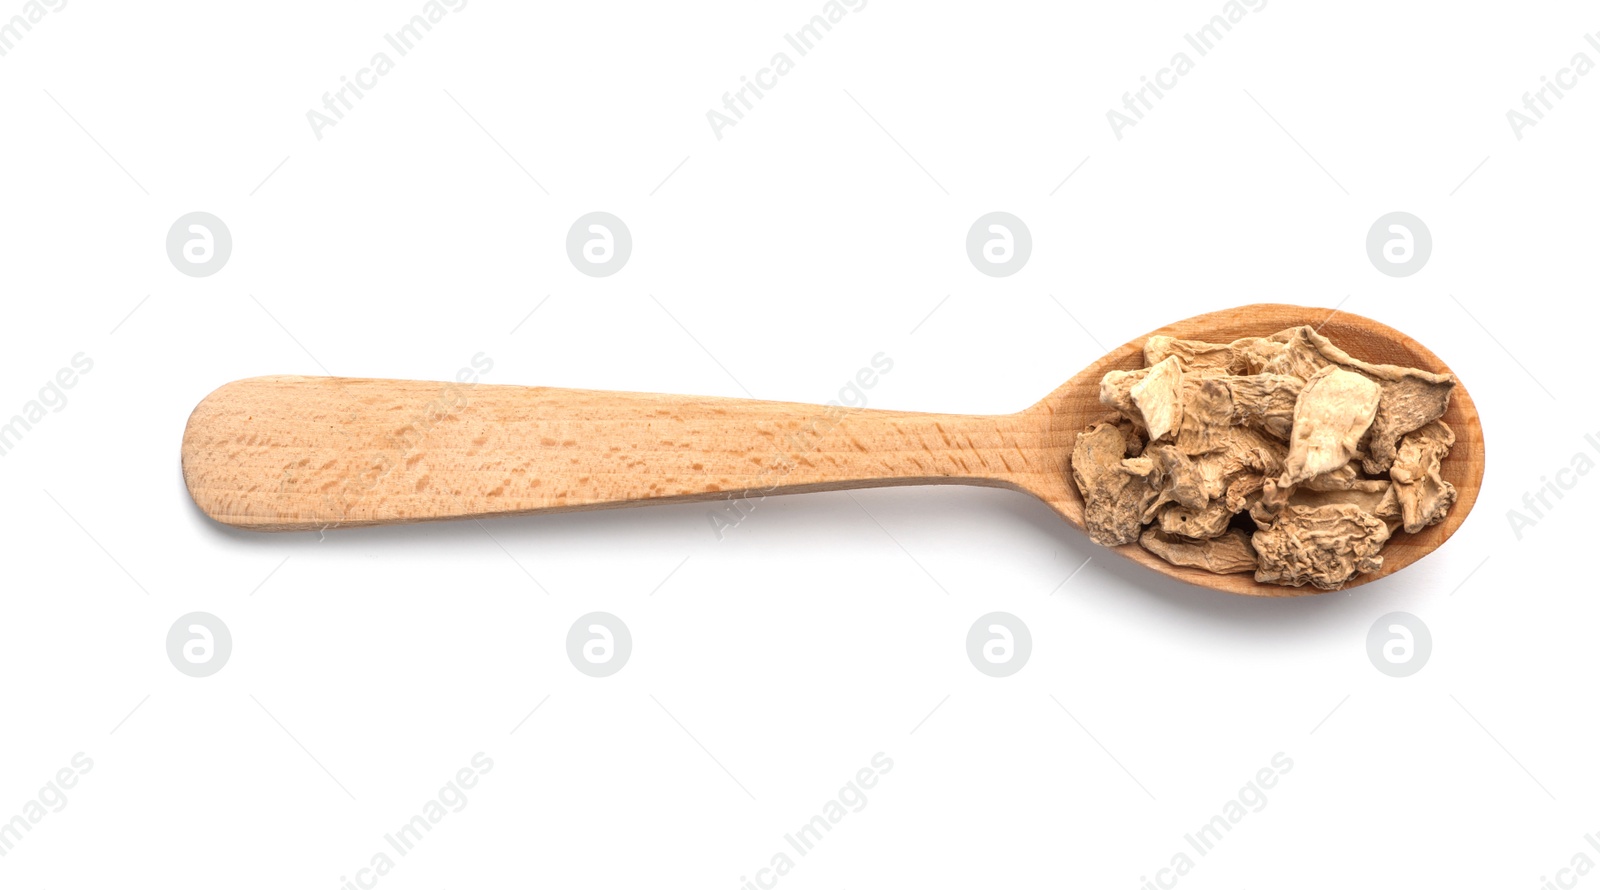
<point x="297" y="453"/>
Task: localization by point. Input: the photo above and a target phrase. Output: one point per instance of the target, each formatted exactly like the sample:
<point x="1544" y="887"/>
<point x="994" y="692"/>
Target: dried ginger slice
<point x="1333" y="413"/>
<point x="1207" y="522"/>
<point x="1424" y="496"/>
<point x="1323" y="546"/>
<point x="1159" y="397"/>
<point x="1114" y="500"/>
<point x="1199" y="356"/>
<point x="1262" y="401"/>
<point x="1226" y="555"/>
<point x="1375" y="496"/>
<point x="1116" y="392"/>
<point x="1181" y="479"/>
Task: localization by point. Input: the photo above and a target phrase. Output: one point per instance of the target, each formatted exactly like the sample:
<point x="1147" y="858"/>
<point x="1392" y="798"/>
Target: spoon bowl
<point x="1076" y="404"/>
<point x="311" y="453"/>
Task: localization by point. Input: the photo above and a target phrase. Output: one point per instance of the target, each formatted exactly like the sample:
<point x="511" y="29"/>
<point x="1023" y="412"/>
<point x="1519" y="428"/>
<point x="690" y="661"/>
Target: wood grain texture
<point x="298" y="453"/>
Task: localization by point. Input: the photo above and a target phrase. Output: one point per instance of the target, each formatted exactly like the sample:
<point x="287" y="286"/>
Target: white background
<point x="768" y="667"/>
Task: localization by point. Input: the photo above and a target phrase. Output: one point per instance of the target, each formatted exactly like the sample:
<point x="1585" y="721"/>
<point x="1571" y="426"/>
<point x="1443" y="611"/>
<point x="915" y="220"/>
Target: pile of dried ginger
<point x="1278" y="455"/>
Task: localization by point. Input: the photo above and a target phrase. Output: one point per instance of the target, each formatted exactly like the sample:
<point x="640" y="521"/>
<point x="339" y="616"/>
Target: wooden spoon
<point x="298" y="453"/>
